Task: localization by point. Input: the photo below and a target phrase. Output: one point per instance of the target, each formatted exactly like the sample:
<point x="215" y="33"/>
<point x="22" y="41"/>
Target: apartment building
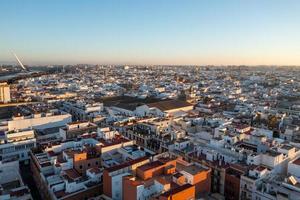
<point x="16" y="145"/>
<point x="74" y="130"/>
<point x="12" y="186"/>
<point x="4" y="93"/>
<point x="68" y="171"/>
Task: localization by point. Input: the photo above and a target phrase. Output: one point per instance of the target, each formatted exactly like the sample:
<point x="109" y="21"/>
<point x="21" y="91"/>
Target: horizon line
<point x="138" y="64"/>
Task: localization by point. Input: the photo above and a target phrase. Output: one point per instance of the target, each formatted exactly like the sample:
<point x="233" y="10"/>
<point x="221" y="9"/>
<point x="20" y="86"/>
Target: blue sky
<point x="151" y="31"/>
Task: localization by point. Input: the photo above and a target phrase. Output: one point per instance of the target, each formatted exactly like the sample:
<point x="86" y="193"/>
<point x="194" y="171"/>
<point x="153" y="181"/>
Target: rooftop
<point x="126" y="164"/>
<point x="151" y="165"/>
<point x="194" y="169"/>
<point x="169" y="105"/>
<point x="297" y="161"/>
<point x="177" y="190"/>
<point x="72" y="174"/>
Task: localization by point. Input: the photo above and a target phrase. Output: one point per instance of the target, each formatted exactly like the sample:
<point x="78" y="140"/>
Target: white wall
<point x="254" y="159"/>
<point x="145" y="193"/>
<point x="142" y="110"/>
<point x="294" y="169"/>
<point x="181" y="145"/>
<point x="40" y="122"/>
<point x="58" y="187"/>
<point x="74" y="186"/>
<point x="117" y="185"/>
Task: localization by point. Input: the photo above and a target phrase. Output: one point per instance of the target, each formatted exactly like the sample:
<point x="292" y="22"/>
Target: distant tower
<point x="106" y="72"/>
<point x="4" y="93"/>
<point x="19" y="61"/>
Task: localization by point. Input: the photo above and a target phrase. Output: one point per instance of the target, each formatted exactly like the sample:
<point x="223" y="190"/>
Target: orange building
<point x="197" y="175"/>
<point x="83" y="160"/>
<point x="130" y="187"/>
<point x="186" y="192"/>
<point x="202" y="181"/>
<point x="156" y="168"/>
<point x="115" y="173"/>
<point x="180" y="179"/>
<point x="135" y="188"/>
<point x="232" y="181"/>
<point x="150" y="170"/>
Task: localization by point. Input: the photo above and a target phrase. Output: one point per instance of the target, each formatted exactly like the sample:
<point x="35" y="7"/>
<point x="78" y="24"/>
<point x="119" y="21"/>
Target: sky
<point x="180" y="32"/>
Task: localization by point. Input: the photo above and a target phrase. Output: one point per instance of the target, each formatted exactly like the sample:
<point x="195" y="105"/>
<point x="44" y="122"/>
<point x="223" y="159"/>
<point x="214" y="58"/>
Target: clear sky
<point x="151" y="31"/>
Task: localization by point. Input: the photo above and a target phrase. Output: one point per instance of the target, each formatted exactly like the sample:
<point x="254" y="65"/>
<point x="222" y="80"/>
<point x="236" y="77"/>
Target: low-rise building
<point x="16" y="145"/>
<point x="68" y="171"/>
<point x="83" y="111"/>
<point x="167" y="178"/>
<point x="77" y="129"/>
<point x="12" y="186"/>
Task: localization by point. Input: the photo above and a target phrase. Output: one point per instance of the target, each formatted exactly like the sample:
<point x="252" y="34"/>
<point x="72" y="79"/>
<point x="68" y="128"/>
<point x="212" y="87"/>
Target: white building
<point x="158" y="109"/>
<point x="4" y="93"/>
<point x="249" y="181"/>
<point x="53" y="118"/>
<point x="82" y="110"/>
<point x="12" y="186"/>
<point x="294" y="167"/>
<point x="16" y="145"/>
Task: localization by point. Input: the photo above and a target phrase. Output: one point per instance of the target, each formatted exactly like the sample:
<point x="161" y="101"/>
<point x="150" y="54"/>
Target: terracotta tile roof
<point x="163" y="181"/>
<point x="72" y="174"/>
<point x="297" y="161"/>
<point x="19" y="192"/>
<point x="95" y="170"/>
<point x="260" y="168"/>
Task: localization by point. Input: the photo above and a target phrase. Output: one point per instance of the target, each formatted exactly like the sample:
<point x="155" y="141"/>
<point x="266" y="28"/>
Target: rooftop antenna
<point x="20" y="63"/>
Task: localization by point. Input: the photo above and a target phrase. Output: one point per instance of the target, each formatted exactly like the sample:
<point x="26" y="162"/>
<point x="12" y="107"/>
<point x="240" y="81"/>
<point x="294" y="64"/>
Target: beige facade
<point x="4" y="93"/>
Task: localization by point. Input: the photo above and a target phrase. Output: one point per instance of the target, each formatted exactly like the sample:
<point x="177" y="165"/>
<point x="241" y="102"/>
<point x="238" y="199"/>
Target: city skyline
<point x="151" y="32"/>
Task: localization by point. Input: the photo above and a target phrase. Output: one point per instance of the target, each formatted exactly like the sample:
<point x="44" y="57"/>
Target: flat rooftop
<point x="150" y="165"/>
<point x="287" y="147"/>
<point x="273" y="153"/>
<point x="193" y="169"/>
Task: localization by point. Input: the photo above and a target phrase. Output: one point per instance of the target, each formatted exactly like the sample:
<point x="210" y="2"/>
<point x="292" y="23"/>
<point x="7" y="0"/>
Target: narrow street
<point x="28" y="180"/>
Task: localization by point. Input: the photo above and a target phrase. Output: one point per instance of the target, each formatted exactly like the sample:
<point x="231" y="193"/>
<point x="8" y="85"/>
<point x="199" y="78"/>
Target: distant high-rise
<point x="4" y="93"/>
